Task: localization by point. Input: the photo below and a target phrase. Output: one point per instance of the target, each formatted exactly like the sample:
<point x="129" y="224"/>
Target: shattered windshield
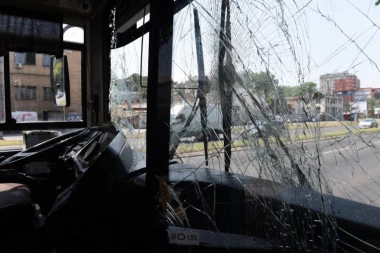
<point x="266" y="102"/>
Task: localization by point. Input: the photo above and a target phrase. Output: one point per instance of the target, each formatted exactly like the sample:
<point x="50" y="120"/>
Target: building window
<point x="48" y="94"/>
<point x="26" y="93"/>
<point x="46" y="60"/>
<point x="25" y="58"/>
<point x="30" y="58"/>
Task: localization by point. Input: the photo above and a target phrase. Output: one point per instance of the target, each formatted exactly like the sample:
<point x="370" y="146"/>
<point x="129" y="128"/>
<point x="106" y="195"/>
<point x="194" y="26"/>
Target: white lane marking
<point x="336" y="150"/>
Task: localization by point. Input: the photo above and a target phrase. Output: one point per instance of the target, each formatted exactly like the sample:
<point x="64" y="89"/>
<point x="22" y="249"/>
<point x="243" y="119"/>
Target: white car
<point x="368" y="123"/>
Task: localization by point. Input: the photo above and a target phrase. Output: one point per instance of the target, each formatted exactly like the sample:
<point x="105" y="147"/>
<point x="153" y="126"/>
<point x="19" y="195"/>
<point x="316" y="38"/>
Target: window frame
<point x="25" y="58"/>
<point x="25" y="92"/>
<point x="8" y="123"/>
<point x="45" y="60"/>
<point x="48" y="94"/>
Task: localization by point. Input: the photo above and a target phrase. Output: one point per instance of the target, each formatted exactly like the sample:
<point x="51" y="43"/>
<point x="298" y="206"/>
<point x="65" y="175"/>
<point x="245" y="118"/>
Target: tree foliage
<point x="308" y="92"/>
<point x="308" y="89"/>
<point x="264" y="83"/>
<point x="372" y="104"/>
<point x="289" y="91"/>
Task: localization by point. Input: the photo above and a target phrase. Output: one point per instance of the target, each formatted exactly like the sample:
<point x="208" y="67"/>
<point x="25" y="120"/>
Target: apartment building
<point x="344" y="81"/>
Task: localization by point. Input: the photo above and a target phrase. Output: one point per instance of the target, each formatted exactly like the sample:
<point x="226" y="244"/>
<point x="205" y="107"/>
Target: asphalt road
<point x="348" y="166"/>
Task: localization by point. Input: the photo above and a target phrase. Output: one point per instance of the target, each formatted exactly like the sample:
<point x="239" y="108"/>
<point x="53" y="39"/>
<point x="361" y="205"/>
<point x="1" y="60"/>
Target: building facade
<point x="330" y="107"/>
<point x="344" y="81"/>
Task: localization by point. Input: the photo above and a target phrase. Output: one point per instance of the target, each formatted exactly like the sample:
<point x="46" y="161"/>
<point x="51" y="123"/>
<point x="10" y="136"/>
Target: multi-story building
<point x="344" y="81"/>
<point x="331" y="107"/>
<point x="346" y="87"/>
<point x="362" y="94"/>
<point x="359" y="102"/>
<point x="355" y="102"/>
<point x="348" y="83"/>
<point x="375" y="93"/>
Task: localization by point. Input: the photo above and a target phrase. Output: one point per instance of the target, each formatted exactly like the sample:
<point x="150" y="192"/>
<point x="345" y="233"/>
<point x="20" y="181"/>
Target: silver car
<point x="368" y="123"/>
<point x="265" y="127"/>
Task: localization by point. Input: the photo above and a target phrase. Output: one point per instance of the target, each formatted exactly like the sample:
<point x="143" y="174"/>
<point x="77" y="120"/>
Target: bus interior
<point x="93" y="160"/>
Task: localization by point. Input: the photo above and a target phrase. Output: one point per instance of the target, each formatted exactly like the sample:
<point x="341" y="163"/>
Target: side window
<point x="2" y="98"/>
<point x="31" y="89"/>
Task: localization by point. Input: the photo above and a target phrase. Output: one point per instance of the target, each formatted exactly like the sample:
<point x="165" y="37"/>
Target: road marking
<point x="335" y="150"/>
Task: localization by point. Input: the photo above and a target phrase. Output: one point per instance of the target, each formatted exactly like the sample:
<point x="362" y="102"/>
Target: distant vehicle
<point x="194" y="128"/>
<point x="251" y="130"/>
<point x="266" y="128"/>
<point x="348" y="117"/>
<point x="368" y="123"/>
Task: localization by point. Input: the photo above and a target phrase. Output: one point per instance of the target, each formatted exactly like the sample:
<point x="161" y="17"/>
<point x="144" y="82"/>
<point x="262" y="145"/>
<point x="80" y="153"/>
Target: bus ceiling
<point x="79" y="12"/>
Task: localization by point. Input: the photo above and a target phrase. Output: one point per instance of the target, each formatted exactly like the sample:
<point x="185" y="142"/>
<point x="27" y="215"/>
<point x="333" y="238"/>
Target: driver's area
<point x="35" y="180"/>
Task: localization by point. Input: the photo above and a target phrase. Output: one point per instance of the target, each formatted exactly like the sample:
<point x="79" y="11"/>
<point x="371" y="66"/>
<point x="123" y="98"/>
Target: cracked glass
<point x="265" y="140"/>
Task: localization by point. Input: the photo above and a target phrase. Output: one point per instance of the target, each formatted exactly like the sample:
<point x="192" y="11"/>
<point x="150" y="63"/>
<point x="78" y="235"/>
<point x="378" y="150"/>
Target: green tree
<point x="308" y="92"/>
<point x="266" y="84"/>
<point x="371" y="105"/>
<point x="307" y="89"/>
<point x="263" y="82"/>
<point x="289" y="91"/>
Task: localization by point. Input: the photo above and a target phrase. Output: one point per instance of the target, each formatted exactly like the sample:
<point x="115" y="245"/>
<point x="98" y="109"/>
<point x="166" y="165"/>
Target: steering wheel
<point x="45" y="148"/>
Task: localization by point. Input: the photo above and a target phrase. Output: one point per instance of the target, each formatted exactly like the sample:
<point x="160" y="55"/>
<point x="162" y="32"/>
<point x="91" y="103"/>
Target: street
<point x="345" y="166"/>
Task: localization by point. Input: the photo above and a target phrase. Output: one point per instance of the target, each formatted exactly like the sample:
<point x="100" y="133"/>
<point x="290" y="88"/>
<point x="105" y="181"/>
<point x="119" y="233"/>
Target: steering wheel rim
<point x="42" y="149"/>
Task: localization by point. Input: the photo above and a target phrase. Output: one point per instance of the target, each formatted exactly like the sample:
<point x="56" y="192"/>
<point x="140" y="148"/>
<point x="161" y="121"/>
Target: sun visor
<point x="22" y="33"/>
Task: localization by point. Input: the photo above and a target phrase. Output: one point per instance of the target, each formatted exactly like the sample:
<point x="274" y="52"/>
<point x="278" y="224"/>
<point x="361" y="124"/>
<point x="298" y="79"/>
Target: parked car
<point x="368" y="123"/>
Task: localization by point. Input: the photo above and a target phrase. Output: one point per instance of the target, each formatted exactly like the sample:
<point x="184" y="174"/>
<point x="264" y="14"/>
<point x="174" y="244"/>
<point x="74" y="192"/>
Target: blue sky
<point x="328" y="36"/>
